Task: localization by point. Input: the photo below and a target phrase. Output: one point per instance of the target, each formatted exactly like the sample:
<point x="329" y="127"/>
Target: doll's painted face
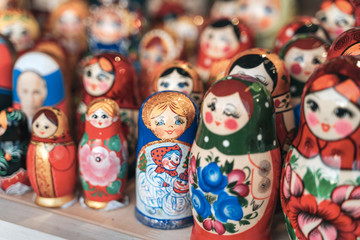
<point x="100" y="119"/>
<point x="42" y="127"/>
<point x="261" y="14"/>
<point x="335" y="21"/>
<point x="258" y="72"/>
<point x="224" y="9"/>
<point x="97" y="81"/>
<point x="168" y="125"/>
<point x="176" y="82"/>
<point x="32" y="91"/>
<point x="19" y="35"/>
<point x="171" y="160"/>
<point x="302" y="62"/>
<point x="152" y="57"/>
<point x="181" y="185"/>
<point x="329" y="115"/>
<point x="219" y="42"/>
<point x="108" y="28"/>
<point x="224" y="115"/>
<point x="70" y="24"/>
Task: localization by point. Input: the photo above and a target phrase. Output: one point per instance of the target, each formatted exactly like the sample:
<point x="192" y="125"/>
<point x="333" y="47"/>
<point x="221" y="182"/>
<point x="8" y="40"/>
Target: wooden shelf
<point x="77" y="222"/>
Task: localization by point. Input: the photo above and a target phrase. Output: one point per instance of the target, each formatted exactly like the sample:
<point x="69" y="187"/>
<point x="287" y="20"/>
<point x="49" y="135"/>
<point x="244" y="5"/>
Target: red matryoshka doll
<point x="157" y="47"/>
<point x="266" y="17"/>
<point x="14" y="141"/>
<point x="111" y="28"/>
<point x="8" y="55"/>
<point x="348" y="43"/>
<point x="224" y="9"/>
<point x="103" y="156"/>
<point x="67" y="25"/>
<point x="300" y="25"/>
<point x="112" y="76"/>
<point x="301" y="56"/>
<point x="179" y="76"/>
<point x="337" y="16"/>
<point x="221" y="39"/>
<point x="38" y="80"/>
<point x="20" y="27"/>
<point x="51" y="159"/>
<point x="167" y="127"/>
<point x="320" y="178"/>
<point x="235" y="162"/>
<point x="270" y="70"/>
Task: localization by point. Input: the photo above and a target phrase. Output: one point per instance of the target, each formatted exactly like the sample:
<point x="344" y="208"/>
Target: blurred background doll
<point x="14" y="141"/>
<point x="347" y="43"/>
<point x="224" y="9"/>
<point x="20" y="27"/>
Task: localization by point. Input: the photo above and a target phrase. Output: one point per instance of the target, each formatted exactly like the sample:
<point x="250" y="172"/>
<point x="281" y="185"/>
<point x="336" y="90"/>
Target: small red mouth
<point x="169" y="132"/>
<point x="42" y="133"/>
<point x="325" y="127"/>
<point x="307" y="72"/>
<point x="93" y="86"/>
<point x="217" y="123"/>
<point x="174" y="163"/>
<point x="100" y="123"/>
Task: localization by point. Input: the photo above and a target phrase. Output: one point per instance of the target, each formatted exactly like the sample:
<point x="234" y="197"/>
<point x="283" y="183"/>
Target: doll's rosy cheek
<point x="226" y="48"/>
<point x="208" y="117"/>
<point x="295" y="68"/>
<point x="107" y="122"/>
<point x="312" y="119"/>
<point x="93" y="122"/>
<point x="339" y="31"/>
<point x="159" y="132"/>
<point x="343" y="127"/>
<point x="231" y="124"/>
<point x="103" y="86"/>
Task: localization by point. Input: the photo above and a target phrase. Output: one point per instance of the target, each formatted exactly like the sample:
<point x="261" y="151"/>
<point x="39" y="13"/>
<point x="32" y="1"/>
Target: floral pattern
<point x="211" y="179"/>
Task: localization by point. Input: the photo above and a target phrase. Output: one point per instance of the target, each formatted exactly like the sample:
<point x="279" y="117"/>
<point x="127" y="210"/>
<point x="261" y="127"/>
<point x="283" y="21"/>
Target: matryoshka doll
<point x="38" y="81"/>
<point x="221" y="39"/>
<point x="301" y="56"/>
<point x="320" y="178"/>
<point x="270" y="70"/>
<point x="157" y="47"/>
<point x="8" y="55"/>
<point x="14" y="141"/>
<point x="266" y="17"/>
<point x="235" y="162"/>
<point x="167" y="127"/>
<point x="20" y="27"/>
<point x="8" y="4"/>
<point x="300" y="25"/>
<point x="179" y="76"/>
<point x="348" y="43"/>
<point x="103" y="156"/>
<point x="51" y="159"/>
<point x="337" y="16"/>
<point x="112" y="76"/>
<point x="224" y="9"/>
<point x="67" y="25"/>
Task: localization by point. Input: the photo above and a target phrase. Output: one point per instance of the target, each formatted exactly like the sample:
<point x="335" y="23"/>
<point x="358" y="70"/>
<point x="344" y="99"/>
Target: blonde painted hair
<point x="106" y="104"/>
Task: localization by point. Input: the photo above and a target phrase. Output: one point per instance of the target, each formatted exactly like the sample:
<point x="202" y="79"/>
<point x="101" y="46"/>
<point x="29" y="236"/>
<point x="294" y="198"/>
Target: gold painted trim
<point x="95" y="204"/>
<point x="54" y="202"/>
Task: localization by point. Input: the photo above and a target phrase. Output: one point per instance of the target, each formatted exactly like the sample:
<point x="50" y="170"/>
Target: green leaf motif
<point x="198" y="160"/>
<point x="244" y="222"/>
<point x="325" y="188"/>
<point x="84" y="184"/>
<point x="243" y="202"/>
<point x="217" y="160"/>
<point x="358" y="180"/>
<point x="310" y="183"/>
<point x="251" y="215"/>
<point x="195" y="186"/>
<point x="199" y="218"/>
<point x="208" y="159"/>
<point x="114" y="187"/>
<point x="231" y="185"/>
<point x="115" y="143"/>
<point x="84" y="139"/>
<point x="230" y="227"/>
<point x="210" y="198"/>
<point x="293" y="159"/>
<point x="123" y="170"/>
<point x="227" y="168"/>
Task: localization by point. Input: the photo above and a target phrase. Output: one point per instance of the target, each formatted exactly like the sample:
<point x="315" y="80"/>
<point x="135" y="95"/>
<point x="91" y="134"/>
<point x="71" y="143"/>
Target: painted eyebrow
<point x="103" y="75"/>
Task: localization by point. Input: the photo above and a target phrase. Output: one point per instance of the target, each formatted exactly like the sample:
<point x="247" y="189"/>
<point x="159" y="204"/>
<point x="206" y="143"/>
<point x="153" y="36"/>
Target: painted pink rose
<point x="292" y="184"/>
<point x="192" y="170"/>
<point x="98" y="166"/>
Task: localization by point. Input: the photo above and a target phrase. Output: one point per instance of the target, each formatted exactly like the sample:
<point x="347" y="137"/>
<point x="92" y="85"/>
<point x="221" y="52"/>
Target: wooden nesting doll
<point x="337" y="16"/>
<point x="103" y="156"/>
<point x="8" y="55"/>
<point x="20" y="27"/>
<point x="157" y="47"/>
<point x="270" y="70"/>
<point x="14" y="141"/>
<point x="38" y="81"/>
<point x="235" y="162"/>
<point x="112" y="76"/>
<point x="167" y="127"/>
<point x="221" y="39"/>
<point x="51" y="159"/>
<point x="179" y="76"/>
<point x="300" y="25"/>
<point x="223" y="9"/>
<point x="302" y="55"/>
<point x="266" y="17"/>
<point x="347" y="43"/>
<point x="320" y="177"/>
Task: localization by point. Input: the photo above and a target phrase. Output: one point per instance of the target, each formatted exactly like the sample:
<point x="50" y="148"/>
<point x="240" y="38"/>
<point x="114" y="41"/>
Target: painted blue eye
<point x="164" y="84"/>
<point x="268" y="10"/>
<point x="159" y="59"/>
<point x="116" y="24"/>
<point x="159" y="123"/>
<point x="299" y="58"/>
<point x="183" y="84"/>
<point x="179" y="122"/>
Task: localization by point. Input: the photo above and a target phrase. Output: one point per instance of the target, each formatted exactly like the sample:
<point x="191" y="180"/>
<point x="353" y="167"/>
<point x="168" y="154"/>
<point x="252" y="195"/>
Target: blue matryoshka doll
<point x="38" y="81"/>
<point x="167" y="126"/>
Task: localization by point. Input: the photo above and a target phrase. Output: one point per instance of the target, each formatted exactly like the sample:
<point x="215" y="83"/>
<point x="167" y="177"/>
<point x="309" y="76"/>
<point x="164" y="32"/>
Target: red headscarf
<point x="157" y="155"/>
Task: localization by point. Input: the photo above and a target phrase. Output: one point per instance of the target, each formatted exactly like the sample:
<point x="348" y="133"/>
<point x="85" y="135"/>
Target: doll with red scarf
<point x="51" y="159"/>
<point x="112" y="76"/>
<point x="321" y="172"/>
<point x="167" y="127"/>
<point x="221" y="39"/>
<point x="103" y="156"/>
